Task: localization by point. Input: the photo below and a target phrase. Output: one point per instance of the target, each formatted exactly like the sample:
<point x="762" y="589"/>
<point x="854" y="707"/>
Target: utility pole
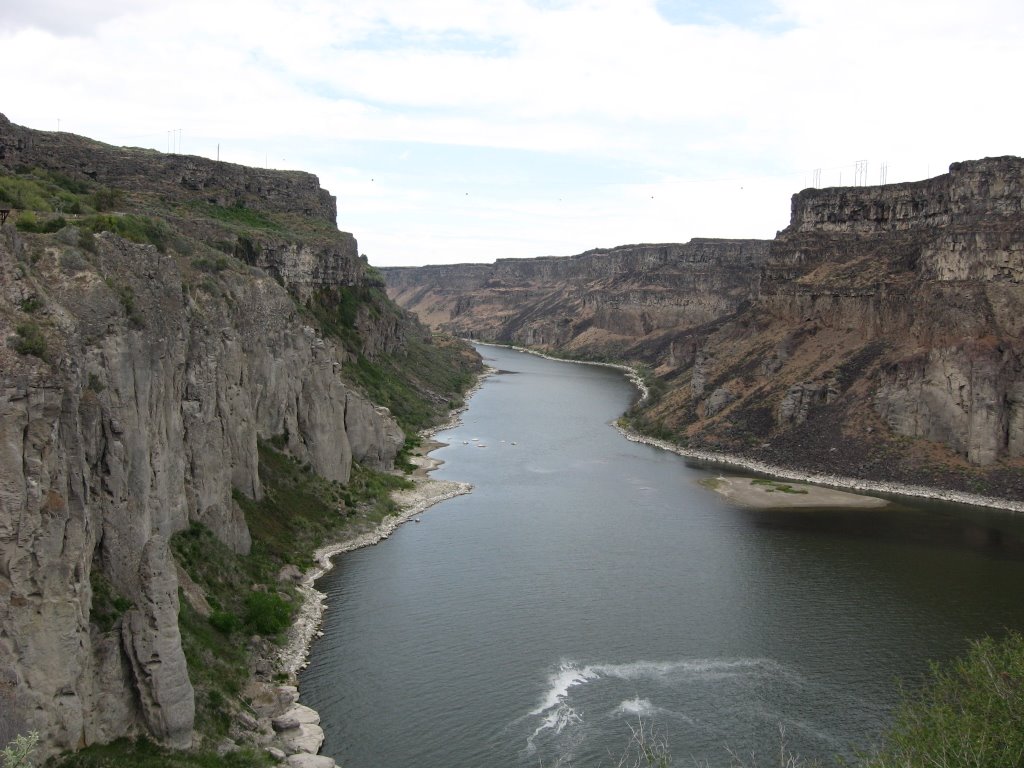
<point x="860" y="173"/>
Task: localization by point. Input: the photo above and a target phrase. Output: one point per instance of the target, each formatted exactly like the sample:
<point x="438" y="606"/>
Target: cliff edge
<point x="165" y="318"/>
<point x="878" y="336"/>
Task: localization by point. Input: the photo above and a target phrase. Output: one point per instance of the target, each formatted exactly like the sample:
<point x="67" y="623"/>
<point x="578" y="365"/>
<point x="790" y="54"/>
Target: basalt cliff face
<point x="618" y="302"/>
<point x="135" y="384"/>
<point x="880" y="335"/>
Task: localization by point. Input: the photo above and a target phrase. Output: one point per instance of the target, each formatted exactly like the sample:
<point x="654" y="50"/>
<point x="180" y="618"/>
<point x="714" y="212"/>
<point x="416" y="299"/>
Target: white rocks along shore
<point x="834" y="481"/>
<point x="761" y="467"/>
<point x="299" y="735"/>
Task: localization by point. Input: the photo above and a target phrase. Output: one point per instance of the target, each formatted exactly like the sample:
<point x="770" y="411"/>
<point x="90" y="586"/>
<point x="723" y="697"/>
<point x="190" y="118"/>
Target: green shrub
<point x="105" y="199"/>
<point x="970" y="712"/>
<point x="225" y="622"/>
<point x="108" y="605"/>
<point x="204" y="264"/>
<point x="18" y="754"/>
<point x="30" y="341"/>
<point x="87" y="240"/>
<point x="267" y="613"/>
<point x="138" y="229"/>
<point x="29" y="222"/>
<point x="23" y="194"/>
<point x="31" y="304"/>
<point x="145" y="754"/>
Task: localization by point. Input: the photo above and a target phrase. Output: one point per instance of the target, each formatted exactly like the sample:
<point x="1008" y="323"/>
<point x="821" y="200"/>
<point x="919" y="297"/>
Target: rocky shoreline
<point x="830" y="480"/>
<point x="292" y="731"/>
<point x="775" y="470"/>
<point x="295" y="736"/>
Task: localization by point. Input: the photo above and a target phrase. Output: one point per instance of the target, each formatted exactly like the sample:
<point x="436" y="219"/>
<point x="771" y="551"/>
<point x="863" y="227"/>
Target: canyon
<point x="151" y="350"/>
<point x="878" y="336"/>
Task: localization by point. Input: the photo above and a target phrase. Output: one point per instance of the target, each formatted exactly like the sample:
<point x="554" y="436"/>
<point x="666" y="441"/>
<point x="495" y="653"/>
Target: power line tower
<point x="860" y="173"/>
<point x="883" y="173"/>
<point x="816" y="178"/>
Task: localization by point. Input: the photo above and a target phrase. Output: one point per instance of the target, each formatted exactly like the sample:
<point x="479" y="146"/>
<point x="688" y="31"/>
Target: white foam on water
<point x="571" y="674"/>
<point x="637" y="707"/>
<point x="557" y="714"/>
<point x="704" y="669"/>
<point x="559" y="684"/>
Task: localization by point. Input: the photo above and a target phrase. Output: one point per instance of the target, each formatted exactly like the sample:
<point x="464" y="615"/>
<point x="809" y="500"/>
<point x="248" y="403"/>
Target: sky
<point x="468" y="130"/>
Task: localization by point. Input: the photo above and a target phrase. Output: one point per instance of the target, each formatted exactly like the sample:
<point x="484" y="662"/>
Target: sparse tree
<point x="18" y="753"/>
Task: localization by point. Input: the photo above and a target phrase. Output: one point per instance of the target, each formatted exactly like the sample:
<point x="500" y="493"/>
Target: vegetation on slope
<point x="970" y="713"/>
<point x="249" y="604"/>
<point x="420" y="381"/>
<point x="235" y="610"/>
<point x="245" y="593"/>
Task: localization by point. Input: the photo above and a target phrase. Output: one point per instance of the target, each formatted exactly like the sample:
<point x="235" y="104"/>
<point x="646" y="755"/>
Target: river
<point x="589" y="582"/>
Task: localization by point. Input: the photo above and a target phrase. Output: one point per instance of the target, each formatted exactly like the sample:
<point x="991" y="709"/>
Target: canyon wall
<point x="880" y="335"/>
<point x="135" y="383"/>
<point x="599" y="303"/>
<point x="172" y="177"/>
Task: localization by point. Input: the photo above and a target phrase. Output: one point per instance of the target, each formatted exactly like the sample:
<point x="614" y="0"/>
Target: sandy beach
<point x="759" y="493"/>
<point x="834" y="481"/>
<point x="848" y="484"/>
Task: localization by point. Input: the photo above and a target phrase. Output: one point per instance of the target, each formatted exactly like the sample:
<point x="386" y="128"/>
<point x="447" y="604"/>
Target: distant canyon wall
<point x="602" y="302"/>
<point x="879" y="314"/>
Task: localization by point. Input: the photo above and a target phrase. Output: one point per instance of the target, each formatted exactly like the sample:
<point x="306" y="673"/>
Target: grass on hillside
<point x="396" y="381"/>
<point x="237" y="216"/>
<point x="299" y="511"/>
<point x="146" y="754"/>
<point x="420" y="383"/>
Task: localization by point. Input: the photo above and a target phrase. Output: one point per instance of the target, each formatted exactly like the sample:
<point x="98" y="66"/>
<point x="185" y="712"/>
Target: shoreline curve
<point x="425" y="493"/>
<point x="839" y="481"/>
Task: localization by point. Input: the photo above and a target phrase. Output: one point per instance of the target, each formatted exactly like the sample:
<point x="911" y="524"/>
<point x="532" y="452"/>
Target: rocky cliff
<point x="148" y="353"/>
<point x="879" y="335"/>
<point x="605" y="302"/>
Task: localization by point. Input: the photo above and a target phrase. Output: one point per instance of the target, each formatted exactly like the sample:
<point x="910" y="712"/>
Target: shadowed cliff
<point x="173" y="328"/>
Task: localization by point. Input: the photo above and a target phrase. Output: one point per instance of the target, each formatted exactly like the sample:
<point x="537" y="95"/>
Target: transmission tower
<point x="860" y="173"/>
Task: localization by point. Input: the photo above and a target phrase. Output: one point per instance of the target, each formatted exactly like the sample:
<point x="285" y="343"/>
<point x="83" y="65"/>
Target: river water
<point x="589" y="583"/>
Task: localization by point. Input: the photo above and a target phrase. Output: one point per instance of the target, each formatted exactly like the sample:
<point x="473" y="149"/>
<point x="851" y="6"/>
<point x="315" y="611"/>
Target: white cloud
<point x="594" y="99"/>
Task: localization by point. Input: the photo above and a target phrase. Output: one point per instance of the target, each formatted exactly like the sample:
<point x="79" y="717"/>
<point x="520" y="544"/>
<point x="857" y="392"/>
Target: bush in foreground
<point x="970" y="713"/>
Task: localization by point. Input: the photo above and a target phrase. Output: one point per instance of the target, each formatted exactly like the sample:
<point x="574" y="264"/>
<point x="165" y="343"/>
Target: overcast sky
<point x="464" y="130"/>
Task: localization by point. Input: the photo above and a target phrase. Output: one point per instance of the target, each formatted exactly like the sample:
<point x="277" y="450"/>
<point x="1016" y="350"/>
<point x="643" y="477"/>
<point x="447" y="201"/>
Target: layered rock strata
<point x="616" y="301"/>
<point x="879" y="335"/>
<point x="137" y="411"/>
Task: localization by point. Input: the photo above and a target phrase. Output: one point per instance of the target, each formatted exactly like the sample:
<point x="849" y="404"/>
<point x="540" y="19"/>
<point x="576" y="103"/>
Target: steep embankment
<point x="620" y="302"/>
<point x="173" y="325"/>
<point x="879" y="336"/>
